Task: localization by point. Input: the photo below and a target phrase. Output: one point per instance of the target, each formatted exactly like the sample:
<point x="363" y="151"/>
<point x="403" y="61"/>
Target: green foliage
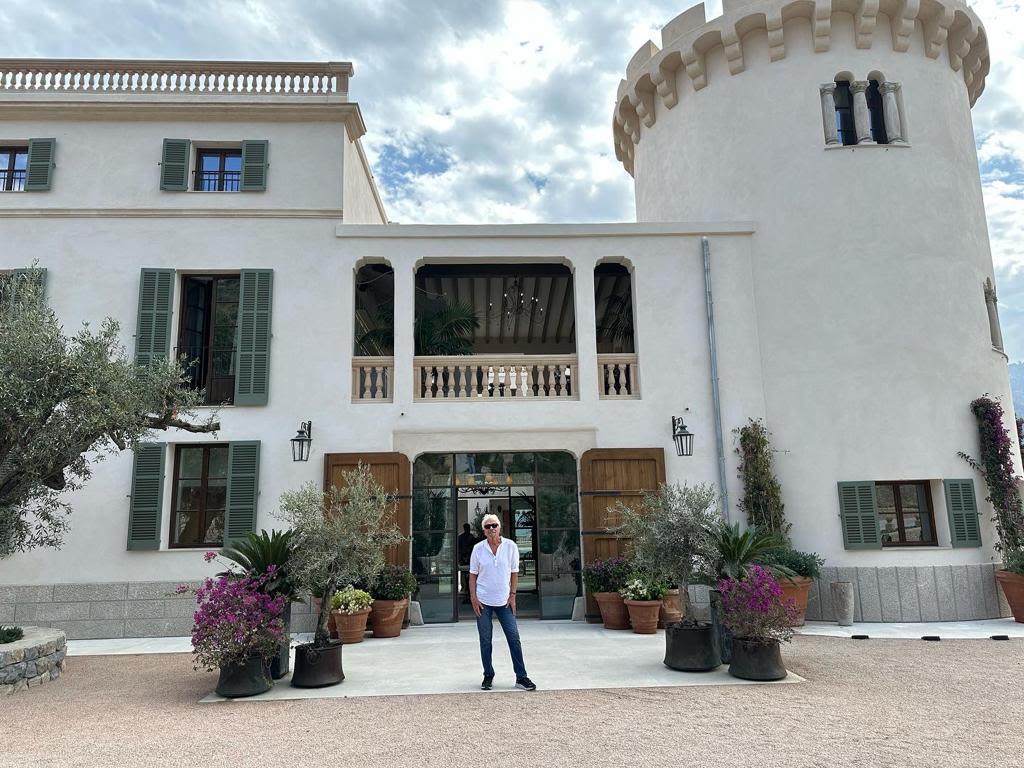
<point x="66" y="402"/>
<point x="258" y="551"/>
<point x="762" y="494"/>
<point x="339" y="537"/>
<point x="1014" y="561"/>
<point x="643" y="587"/>
<point x="443" y="328"/>
<point x="673" y="534"/>
<point x="351" y="600"/>
<point x="393" y="583"/>
<point x="737" y="551"/>
<point x="10" y="634"/>
<point x="806" y="564"/>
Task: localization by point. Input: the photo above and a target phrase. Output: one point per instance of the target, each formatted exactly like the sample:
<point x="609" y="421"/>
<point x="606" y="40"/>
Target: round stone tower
<point x="842" y="131"/>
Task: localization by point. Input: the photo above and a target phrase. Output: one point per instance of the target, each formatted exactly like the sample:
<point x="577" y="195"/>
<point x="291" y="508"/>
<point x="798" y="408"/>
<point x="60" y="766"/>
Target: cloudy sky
<point x="497" y="110"/>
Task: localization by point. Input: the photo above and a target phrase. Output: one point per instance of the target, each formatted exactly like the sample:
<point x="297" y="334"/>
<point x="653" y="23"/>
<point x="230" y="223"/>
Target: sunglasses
<point x="491" y="525"/>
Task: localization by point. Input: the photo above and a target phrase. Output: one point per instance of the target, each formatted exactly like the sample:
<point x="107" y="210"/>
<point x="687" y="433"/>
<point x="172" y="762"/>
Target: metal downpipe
<point x="716" y="397"/>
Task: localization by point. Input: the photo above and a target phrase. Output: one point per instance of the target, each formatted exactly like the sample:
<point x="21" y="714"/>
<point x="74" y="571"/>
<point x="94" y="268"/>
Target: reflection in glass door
<point x="535" y="497"/>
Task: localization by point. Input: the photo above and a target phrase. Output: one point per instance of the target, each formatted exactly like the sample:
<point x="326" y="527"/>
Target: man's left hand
<point x="512" y="603"/>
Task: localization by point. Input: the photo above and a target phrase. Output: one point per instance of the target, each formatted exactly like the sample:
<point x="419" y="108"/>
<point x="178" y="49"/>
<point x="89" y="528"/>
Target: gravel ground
<point x="902" y="703"/>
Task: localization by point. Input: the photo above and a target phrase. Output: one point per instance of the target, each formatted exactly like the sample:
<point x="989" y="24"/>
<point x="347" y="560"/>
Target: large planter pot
<point x="842" y="602"/>
<point x="279" y="664"/>
<point x="613" y="610"/>
<point x="386" y="617"/>
<point x="691" y="648"/>
<point x="1013" y="588"/>
<point x="795" y="590"/>
<point x="244" y="678"/>
<point x="756" y="660"/>
<point x="317" y="667"/>
<point x="671" y="609"/>
<point x="643" y="615"/>
<point x="723" y="637"/>
<point x="350" y="626"/>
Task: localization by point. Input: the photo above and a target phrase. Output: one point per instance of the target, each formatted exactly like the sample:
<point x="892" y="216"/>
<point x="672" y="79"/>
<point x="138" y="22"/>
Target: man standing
<point x="493" y="577"/>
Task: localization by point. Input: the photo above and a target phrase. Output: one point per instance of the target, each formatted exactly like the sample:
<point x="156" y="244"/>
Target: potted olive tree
<point x="339" y="537"/>
<point x="673" y="535"/>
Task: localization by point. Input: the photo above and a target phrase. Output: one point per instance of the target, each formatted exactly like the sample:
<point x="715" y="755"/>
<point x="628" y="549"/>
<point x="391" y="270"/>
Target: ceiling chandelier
<point x="516" y="307"/>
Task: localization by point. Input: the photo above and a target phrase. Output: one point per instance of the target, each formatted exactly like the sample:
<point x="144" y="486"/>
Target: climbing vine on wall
<point x="995" y="463"/>
<point x="762" y="494"/>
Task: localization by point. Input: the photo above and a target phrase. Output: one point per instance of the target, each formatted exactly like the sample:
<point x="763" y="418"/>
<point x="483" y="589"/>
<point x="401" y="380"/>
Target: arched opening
<point x="845" y="125"/>
<point x="616" y="344"/>
<point x="374" y="332"/>
<point x="876" y="113"/>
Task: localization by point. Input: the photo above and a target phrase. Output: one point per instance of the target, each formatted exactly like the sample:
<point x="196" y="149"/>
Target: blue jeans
<point x="484" y="625"/>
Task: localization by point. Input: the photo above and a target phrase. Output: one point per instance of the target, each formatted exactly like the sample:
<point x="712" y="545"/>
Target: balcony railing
<point x="12" y="181"/>
<point x="372" y="379"/>
<point x="218" y="181"/>
<point x="503" y="377"/>
<point x="191" y="77"/>
<point x="618" y="377"/>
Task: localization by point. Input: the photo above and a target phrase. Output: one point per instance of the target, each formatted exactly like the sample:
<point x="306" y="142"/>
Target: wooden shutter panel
<point x="174" y="165"/>
<point x="39" y="173"/>
<point x="147" y="497"/>
<point x="252" y="369"/>
<point x="153" y="333"/>
<point x="859" y="516"/>
<point x="964" y="525"/>
<point x="243" y="489"/>
<point x="255" y="160"/>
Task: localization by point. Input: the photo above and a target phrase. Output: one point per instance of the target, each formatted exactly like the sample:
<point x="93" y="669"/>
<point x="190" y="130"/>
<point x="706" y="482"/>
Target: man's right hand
<point x="476" y="604"/>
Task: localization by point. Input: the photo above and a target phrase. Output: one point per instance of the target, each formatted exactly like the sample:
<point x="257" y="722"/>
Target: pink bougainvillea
<point x="752" y="607"/>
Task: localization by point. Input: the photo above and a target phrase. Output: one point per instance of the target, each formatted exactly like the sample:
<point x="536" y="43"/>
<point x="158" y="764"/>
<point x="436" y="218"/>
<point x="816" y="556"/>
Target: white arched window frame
<point x="892" y="109"/>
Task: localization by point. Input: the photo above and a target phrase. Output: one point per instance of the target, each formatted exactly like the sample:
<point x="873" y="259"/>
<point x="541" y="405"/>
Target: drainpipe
<point x="716" y="397"/>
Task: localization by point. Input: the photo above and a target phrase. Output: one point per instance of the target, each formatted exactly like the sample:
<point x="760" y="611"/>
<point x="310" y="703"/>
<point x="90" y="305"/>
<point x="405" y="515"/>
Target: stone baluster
<point x="861" y="116"/>
<point x="526" y="379"/>
<point x="828" y="113"/>
<point x="891" y="111"/>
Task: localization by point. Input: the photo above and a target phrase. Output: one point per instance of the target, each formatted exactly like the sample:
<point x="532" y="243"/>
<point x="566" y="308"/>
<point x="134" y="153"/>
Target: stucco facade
<point x="847" y="287"/>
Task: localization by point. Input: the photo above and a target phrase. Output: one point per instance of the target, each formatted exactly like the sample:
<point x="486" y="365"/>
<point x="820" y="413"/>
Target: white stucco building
<point x="822" y="151"/>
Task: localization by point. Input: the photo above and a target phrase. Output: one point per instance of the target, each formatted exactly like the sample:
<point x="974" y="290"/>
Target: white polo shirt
<point x="494" y="571"/>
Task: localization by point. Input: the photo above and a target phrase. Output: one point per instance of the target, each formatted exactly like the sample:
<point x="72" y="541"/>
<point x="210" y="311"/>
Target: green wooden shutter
<point x="859" y="516"/>
<point x="252" y="352"/>
<point x="39" y="174"/>
<point x="255" y="159"/>
<point x="153" y="334"/>
<point x="174" y="165"/>
<point x="147" y="497"/>
<point x="243" y="490"/>
<point x="964" y="526"/>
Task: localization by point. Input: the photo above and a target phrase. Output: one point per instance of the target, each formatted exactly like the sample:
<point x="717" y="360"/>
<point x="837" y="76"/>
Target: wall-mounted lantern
<point x="301" y="441"/>
<point x="682" y="436"/>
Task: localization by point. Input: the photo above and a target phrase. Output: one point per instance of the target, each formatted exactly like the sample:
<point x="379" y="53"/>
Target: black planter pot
<point x="723" y="637"/>
<point x="756" y="660"/>
<point x="317" y="667"/>
<point x="691" y="648"/>
<point x="279" y="664"/>
<point x="245" y="678"/>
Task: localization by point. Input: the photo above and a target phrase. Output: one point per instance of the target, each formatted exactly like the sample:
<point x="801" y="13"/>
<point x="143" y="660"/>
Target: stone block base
<point x="35" y="659"/>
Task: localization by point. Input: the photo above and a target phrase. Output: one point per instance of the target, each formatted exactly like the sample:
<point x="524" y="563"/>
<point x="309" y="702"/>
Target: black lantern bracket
<point x="301" y="441"/>
<point x="682" y="437"/>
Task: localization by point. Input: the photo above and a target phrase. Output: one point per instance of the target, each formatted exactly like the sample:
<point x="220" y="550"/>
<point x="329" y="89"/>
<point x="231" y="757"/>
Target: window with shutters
<point x="905" y="513"/>
<point x="13" y="167"/>
<point x="208" y="332"/>
<point x="218" y="170"/>
<point x="200" y="496"/>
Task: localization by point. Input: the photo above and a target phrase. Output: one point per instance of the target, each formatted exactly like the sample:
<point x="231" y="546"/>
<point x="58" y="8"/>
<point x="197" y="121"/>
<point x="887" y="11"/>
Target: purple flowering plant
<point x="753" y="609"/>
<point x="235" y="618"/>
<point x="609" y="575"/>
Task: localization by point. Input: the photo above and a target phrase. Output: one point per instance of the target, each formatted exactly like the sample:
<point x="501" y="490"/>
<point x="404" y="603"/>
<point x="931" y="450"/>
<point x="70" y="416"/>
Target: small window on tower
<point x="876" y="113"/>
<point x="844" y="113"/>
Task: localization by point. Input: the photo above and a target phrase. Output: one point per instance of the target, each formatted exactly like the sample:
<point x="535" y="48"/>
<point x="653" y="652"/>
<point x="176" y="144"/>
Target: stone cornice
<point x="171" y="213"/>
<point x="687" y="39"/>
<point x="499" y="231"/>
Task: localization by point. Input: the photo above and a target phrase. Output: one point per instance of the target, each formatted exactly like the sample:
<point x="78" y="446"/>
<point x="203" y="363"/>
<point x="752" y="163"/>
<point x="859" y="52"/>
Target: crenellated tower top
<point x="686" y="41"/>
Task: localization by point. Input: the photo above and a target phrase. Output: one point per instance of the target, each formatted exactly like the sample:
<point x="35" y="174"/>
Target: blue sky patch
<point x="399" y="164"/>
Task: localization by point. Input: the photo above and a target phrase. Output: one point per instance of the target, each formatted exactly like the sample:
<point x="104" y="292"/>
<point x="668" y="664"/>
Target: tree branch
<point x="169" y="420"/>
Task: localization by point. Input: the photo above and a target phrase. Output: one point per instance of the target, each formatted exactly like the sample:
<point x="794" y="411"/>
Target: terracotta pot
<point x="1013" y="587"/>
<point x="613" y="610"/>
<point x="350" y="626"/>
<point x="643" y="615"/>
<point x="756" y="660"/>
<point x="796" y="590"/>
<point x="671" y="609"/>
<point x="386" y="617"/>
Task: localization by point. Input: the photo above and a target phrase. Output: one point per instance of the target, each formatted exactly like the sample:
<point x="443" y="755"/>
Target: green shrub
<point x="10" y="634"/>
<point x="806" y="564"/>
<point x="762" y="494"/>
<point x="643" y="587"/>
<point x="393" y="583"/>
<point x="1014" y="561"/>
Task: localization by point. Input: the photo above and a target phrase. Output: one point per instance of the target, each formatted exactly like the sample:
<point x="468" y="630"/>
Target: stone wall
<point x="112" y="609"/>
<point x="35" y="659"/>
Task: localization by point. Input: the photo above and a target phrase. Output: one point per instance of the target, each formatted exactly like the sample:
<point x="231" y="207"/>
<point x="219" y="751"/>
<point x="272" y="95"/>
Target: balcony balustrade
<point x="618" y="376"/>
<point x="372" y="379"/>
<point x="495" y="377"/>
<point x="267" y="78"/>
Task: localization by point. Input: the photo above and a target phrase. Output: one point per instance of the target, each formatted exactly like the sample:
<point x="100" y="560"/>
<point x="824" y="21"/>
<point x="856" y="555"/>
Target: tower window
<point x="844" y="113"/>
<point x="876" y="113"/>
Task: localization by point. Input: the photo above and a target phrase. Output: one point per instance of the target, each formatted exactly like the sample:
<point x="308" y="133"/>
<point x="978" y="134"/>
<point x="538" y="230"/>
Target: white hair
<point x="488" y="518"/>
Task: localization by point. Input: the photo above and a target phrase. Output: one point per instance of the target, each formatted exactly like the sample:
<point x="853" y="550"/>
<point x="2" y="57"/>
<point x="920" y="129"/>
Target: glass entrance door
<point x="535" y="497"/>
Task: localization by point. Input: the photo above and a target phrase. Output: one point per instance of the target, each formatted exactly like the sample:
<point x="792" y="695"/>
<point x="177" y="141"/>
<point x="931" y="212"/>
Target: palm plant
<point x="616" y="325"/>
<point x="738" y="550"/>
<point x="446" y="329"/>
<point x="379" y="340"/>
<point x="257" y="552"/>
